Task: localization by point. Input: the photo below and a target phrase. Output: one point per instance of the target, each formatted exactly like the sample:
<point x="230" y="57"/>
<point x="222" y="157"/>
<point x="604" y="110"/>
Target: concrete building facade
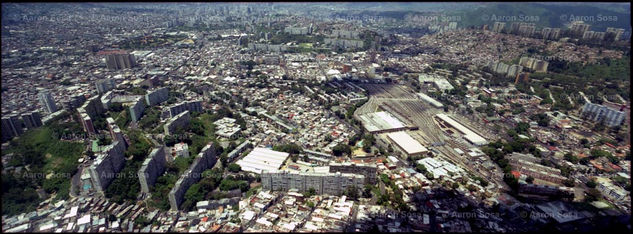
<point x="118" y="61"/>
<point x="156" y="96"/>
<point x="206" y="159"/>
<point x="367" y="170"/>
<point x="105" y="85"/>
<point x="108" y="163"/>
<point x="32" y="119"/>
<point x="47" y="101"/>
<point x="152" y="168"/>
<point x="177" y="122"/>
<point x="322" y="183"/>
<point x="598" y="113"/>
<point x="191" y="106"/>
<point x="136" y="110"/>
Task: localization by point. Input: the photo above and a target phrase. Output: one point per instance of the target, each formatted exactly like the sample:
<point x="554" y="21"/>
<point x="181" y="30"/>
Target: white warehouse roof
<point x="262" y="159"/>
<point x="380" y="121"/>
<point x="430" y="100"/>
<point x="468" y="134"/>
<point x="407" y="143"/>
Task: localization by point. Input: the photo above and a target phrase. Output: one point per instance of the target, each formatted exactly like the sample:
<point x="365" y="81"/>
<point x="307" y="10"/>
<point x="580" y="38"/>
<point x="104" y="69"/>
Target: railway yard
<point x="402" y="103"/>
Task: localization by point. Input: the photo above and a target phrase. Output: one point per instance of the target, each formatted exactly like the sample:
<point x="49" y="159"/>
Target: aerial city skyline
<point x="316" y="117"/>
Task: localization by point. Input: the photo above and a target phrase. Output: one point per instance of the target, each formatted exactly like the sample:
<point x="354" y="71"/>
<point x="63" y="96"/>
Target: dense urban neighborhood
<point x="316" y="117"/>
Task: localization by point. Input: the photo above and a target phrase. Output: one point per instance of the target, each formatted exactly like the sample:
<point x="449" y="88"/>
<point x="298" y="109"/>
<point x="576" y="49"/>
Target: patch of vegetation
<point x="45" y="154"/>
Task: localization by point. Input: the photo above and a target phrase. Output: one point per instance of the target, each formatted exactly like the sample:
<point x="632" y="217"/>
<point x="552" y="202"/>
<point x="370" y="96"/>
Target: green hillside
<point x="548" y="15"/>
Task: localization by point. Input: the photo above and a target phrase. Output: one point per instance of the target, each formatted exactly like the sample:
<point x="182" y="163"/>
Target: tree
<point x="341" y="149"/>
<point x="230" y="184"/>
<point x="310" y="204"/>
<point x="310" y="192"/>
<point x="366" y="148"/>
<point x="620" y="180"/>
<point x="385" y="179"/>
<point x="141" y="221"/>
<point x="233" y="167"/>
<point x="369" y="139"/>
<point x="591" y="184"/>
<point x="584" y="141"/>
<point x="383" y="199"/>
<point x="571" y="158"/>
<point x="116" y="107"/>
<point x="194" y="193"/>
<point x="420" y="168"/>
<point x="197" y="127"/>
<point x="522" y="127"/>
<point x="512" y="182"/>
<point x="367" y="191"/>
<point x="569" y="183"/>
<point x="592" y="195"/>
<point x="352" y="192"/>
<point x="223" y="158"/>
<point x="599" y="127"/>
<point x="288" y="148"/>
<point x="597" y="153"/>
<point x="613" y="159"/>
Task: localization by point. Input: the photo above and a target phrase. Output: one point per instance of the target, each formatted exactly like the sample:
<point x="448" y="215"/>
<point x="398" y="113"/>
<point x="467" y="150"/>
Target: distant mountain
<point x="552" y="14"/>
<point x="408" y="6"/>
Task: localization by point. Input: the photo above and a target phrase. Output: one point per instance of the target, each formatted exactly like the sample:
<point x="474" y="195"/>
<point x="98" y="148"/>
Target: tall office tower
<point x="105" y="85"/>
<point x="540" y="66"/>
<point x="546" y="32"/>
<point x="120" y="60"/>
<point x="86" y="122"/>
<point x="554" y="34"/>
<point x="599" y="113"/>
<point x="588" y="35"/>
<point x="550" y="33"/>
<point x="7" y="132"/>
<point x="11" y="127"/>
<point x="579" y="28"/>
<point x="498" y="27"/>
<point x="617" y="31"/>
<point x="514" y="27"/>
<point x="46" y="100"/>
<point x="522" y="77"/>
<point x="514" y="70"/>
<point x="526" y="29"/>
<point x="74" y="102"/>
<point x="32" y="120"/>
